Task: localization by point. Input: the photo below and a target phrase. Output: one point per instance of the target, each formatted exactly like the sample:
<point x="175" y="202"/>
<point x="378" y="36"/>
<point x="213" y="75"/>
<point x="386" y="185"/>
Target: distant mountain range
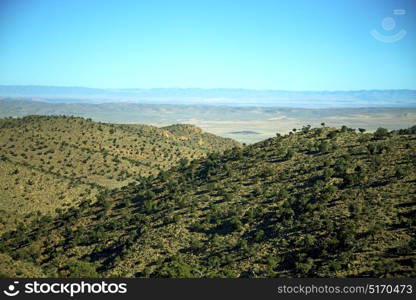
<point x="235" y="97"/>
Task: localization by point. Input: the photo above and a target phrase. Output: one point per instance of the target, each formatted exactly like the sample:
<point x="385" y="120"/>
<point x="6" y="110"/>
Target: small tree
<point x="289" y="154"/>
<point x="332" y="134"/>
<point x="371" y="148"/>
<point x="400" y="173"/>
<point x="381" y="133"/>
<point x="323" y="147"/>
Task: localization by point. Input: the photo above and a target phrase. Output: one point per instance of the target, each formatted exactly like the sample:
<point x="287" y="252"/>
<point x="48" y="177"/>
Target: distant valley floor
<point x="244" y="124"/>
<point x="257" y="130"/>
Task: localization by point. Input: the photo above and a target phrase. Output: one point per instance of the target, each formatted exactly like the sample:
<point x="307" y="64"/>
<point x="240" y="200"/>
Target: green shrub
<point x="381" y="133"/>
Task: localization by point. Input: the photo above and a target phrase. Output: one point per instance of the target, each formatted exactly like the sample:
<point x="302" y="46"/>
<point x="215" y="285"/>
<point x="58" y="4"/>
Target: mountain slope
<point x="319" y="202"/>
<point x="53" y="162"/>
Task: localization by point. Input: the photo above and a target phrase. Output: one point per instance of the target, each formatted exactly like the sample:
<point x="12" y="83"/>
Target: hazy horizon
<point x="199" y="96"/>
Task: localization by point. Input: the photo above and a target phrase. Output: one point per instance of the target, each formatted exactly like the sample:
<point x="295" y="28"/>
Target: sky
<point x="280" y="45"/>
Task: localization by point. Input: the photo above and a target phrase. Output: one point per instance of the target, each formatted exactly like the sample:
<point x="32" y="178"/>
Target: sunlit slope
<point x="53" y="162"/>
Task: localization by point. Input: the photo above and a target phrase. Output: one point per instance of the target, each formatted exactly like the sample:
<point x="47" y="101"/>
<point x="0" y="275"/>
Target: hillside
<point x="318" y="202"/>
<point x="49" y="163"/>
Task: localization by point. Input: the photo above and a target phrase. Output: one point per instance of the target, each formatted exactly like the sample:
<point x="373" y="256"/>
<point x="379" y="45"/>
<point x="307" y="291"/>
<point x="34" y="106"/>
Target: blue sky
<point x="285" y="45"/>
